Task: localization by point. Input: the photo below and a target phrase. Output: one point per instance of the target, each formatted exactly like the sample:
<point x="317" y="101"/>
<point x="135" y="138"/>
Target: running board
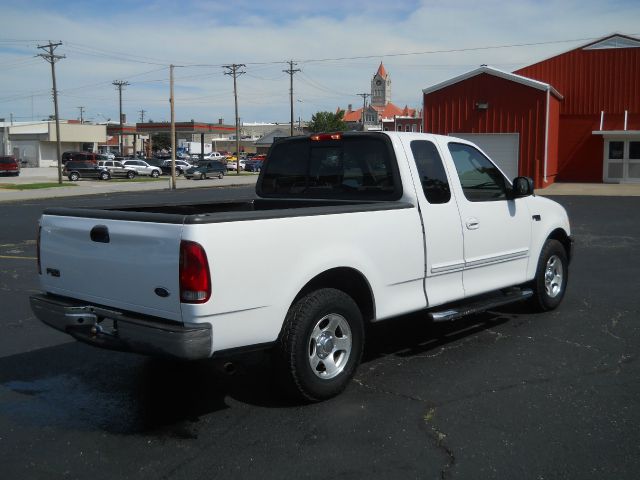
<point x="499" y="300"/>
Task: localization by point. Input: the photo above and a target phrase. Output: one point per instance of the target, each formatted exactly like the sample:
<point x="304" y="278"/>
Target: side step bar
<point x="486" y="303"/>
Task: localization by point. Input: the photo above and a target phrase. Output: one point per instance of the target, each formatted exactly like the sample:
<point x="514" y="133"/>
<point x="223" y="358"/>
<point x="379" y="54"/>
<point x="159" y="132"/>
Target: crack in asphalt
<point x="437" y="435"/>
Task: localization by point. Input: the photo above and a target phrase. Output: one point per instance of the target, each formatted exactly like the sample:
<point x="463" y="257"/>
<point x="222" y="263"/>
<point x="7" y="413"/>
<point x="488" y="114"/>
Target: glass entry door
<point x="622" y="160"/>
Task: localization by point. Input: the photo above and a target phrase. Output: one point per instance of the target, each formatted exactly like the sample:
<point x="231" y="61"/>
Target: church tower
<point x="380" y="88"/>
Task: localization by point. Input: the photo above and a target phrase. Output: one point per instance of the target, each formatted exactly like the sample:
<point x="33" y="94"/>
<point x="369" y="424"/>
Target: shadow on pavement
<point x="74" y="386"/>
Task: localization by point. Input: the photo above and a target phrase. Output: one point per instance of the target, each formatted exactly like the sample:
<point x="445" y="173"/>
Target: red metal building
<point x="573" y="117"/>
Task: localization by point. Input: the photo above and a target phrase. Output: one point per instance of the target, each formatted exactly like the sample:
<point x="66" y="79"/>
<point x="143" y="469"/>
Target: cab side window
<point x="431" y="170"/>
<point x="480" y="179"/>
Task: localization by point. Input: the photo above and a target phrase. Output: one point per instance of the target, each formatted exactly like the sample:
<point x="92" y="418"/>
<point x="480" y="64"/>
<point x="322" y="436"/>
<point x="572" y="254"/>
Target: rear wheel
<point x="220" y="175"/>
<point x="105" y="176"/>
<point x="131" y="175"/>
<point x="552" y="274"/>
<point x="74" y="176"/>
<point x="321" y="344"/>
<point x="202" y="176"/>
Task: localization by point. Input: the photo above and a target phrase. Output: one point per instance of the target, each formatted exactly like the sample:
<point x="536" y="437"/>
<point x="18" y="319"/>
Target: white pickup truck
<point x="353" y="228"/>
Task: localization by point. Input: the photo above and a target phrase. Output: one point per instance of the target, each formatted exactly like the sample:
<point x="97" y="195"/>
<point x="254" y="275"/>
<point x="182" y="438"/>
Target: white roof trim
<point x="615" y="41"/>
<point x="496" y="73"/>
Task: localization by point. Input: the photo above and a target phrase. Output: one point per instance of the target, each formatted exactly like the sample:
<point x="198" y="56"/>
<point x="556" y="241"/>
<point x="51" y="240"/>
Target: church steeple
<point x="380" y="87"/>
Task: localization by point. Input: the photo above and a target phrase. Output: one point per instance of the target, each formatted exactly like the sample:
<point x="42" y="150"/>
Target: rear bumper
<point x="114" y="330"/>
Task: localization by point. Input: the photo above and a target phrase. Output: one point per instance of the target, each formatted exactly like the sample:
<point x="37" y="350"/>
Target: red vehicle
<point x="9" y="165"/>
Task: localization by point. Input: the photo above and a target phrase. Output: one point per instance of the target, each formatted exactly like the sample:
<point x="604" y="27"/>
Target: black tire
<point x="220" y="175"/>
<point x="131" y="175"/>
<point x="105" y="176"/>
<point x="74" y="176"/>
<point x="155" y="173"/>
<point x="552" y="274"/>
<point x="202" y="176"/>
<point x="325" y="329"/>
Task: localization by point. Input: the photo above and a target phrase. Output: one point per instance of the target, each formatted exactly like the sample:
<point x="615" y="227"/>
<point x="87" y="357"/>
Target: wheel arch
<point x="350" y="281"/>
<point x="560" y="235"/>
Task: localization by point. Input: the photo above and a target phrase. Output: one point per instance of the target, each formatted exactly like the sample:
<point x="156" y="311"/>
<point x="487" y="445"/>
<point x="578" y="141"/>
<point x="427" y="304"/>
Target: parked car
<point x="214" y="156"/>
<point x="233" y="164"/>
<point x="74" y="170"/>
<point x="253" y="165"/>
<point x="9" y="165"/>
<point x="206" y="169"/>
<point x="80" y="157"/>
<point x="181" y="166"/>
<point x="143" y="168"/>
<point x="117" y="169"/>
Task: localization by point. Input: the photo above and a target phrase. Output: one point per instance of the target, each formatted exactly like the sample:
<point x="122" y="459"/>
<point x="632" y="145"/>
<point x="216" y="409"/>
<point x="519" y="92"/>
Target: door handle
<point x="473" y="224"/>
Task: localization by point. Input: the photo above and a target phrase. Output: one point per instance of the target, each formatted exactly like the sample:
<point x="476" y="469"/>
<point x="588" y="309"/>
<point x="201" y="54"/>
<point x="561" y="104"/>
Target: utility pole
<point x="173" y="129"/>
<point x="234" y="70"/>
<point x="364" y="105"/>
<point x="52" y="59"/>
<point x="142" y="112"/>
<point x="119" y="84"/>
<point x="81" y="114"/>
<point x="291" y="71"/>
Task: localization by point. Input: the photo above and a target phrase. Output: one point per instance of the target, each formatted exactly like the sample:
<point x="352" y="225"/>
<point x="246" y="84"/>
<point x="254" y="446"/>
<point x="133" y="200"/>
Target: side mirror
<point x="522" y="187"/>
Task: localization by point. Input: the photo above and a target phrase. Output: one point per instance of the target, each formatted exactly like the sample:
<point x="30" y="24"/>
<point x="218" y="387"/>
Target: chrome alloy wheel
<point x="553" y="276"/>
<point x="330" y="346"/>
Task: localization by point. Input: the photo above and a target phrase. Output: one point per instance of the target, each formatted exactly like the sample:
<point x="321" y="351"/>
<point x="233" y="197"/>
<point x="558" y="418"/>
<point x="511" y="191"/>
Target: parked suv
<point x="9" y="166"/>
<point x="117" y="169"/>
<point x="75" y="170"/>
<point x="206" y="169"/>
<point x="143" y="168"/>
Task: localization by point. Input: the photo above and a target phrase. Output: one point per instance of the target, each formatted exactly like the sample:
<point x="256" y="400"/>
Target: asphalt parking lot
<point x="505" y="394"/>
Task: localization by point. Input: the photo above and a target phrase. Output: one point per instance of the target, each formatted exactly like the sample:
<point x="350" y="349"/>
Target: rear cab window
<point x="339" y="166"/>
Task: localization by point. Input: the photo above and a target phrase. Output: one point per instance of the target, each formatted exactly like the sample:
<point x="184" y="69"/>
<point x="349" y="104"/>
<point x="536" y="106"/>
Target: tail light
<point x="321" y="137"/>
<point x="38" y="248"/>
<point x="195" y="280"/>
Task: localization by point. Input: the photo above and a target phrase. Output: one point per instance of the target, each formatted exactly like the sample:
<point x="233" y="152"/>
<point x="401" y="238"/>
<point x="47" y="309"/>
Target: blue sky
<point x="137" y="40"/>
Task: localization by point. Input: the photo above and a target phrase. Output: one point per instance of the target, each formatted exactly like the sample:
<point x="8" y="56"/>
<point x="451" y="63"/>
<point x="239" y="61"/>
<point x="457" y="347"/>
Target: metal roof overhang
<point x="617" y="133"/>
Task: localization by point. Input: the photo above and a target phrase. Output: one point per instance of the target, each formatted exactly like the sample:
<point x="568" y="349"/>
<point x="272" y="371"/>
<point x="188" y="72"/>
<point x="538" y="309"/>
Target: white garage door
<point x="502" y="148"/>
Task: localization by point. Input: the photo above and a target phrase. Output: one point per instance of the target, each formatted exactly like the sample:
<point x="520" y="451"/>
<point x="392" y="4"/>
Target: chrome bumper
<point x="115" y="330"/>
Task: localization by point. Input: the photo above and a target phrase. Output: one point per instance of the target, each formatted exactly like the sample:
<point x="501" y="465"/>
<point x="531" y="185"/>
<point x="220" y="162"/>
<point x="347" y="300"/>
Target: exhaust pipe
<point x="229" y="368"/>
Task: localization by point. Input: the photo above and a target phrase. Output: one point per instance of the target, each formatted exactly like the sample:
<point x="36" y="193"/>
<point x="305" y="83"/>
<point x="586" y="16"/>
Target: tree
<point x="327" y="122"/>
<point x="161" y="141"/>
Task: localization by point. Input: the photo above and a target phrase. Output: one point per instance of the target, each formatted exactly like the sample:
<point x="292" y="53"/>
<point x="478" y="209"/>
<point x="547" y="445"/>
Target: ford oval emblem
<point x="162" y="292"/>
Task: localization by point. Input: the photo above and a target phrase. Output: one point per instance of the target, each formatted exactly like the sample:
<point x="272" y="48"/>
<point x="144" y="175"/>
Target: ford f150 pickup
<point x="353" y="227"/>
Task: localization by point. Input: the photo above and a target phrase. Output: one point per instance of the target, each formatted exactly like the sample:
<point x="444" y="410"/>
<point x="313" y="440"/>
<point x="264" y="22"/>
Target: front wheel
<point x="202" y="176"/>
<point x="552" y="274"/>
<point x="321" y="344"/>
<point x="131" y="175"/>
<point x="155" y="173"/>
<point x="73" y="176"/>
<point x="220" y="175"/>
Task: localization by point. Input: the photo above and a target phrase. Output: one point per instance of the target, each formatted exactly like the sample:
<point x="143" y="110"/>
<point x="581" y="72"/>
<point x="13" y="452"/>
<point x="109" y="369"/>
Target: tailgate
<point x="128" y="265"/>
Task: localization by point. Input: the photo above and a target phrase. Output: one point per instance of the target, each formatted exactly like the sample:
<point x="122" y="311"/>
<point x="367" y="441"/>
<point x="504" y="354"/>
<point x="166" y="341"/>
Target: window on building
<point x="407" y="128"/>
<point x="399" y="128"/>
<point x="414" y="128"/>
<point x="480" y="179"/>
<point x="634" y="150"/>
